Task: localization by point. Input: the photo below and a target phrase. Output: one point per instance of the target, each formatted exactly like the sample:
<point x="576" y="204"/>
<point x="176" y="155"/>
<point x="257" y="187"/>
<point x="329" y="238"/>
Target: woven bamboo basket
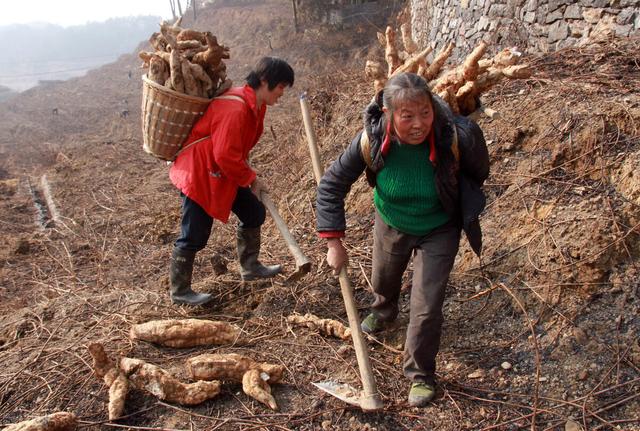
<point x="167" y="118"/>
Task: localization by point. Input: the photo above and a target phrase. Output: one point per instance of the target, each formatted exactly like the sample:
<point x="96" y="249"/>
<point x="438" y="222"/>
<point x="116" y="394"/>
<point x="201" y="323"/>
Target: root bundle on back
<point x="187" y="61"/>
<point x="459" y="85"/>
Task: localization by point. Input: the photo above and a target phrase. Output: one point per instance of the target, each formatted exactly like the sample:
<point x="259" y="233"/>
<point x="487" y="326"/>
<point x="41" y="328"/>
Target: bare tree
<point x="173" y="9"/>
<point x="174" y="4"/>
<point x="295" y="16"/>
<point x="179" y="7"/>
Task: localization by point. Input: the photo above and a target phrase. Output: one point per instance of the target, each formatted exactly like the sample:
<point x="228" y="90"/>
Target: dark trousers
<point x="432" y="263"/>
<point x="196" y="223"/>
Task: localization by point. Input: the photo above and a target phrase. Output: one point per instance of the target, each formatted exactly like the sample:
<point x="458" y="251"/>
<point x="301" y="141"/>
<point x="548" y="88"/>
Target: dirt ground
<point x="543" y="334"/>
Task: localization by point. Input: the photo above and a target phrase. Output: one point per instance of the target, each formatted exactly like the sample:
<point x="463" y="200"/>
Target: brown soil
<point x="557" y="296"/>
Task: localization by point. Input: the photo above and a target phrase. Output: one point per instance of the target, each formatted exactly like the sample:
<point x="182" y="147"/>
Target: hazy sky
<point x="74" y="12"/>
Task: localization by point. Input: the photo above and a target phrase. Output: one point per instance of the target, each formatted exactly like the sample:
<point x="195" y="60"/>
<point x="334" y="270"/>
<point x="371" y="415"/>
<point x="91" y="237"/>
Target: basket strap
<point x="187" y="146"/>
<point x="229" y="97"/>
<point x="225" y="97"/>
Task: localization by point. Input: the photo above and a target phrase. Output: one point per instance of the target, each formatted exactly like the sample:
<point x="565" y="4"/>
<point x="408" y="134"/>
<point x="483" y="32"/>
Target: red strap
<point x="386" y="144"/>
<point x="432" y="148"/>
<point x="331" y="234"/>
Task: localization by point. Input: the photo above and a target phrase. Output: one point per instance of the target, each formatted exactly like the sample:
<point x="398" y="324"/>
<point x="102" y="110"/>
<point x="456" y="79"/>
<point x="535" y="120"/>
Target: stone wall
<point x="531" y="25"/>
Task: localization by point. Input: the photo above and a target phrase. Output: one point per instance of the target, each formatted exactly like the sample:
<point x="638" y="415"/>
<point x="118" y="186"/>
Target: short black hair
<point x="273" y="70"/>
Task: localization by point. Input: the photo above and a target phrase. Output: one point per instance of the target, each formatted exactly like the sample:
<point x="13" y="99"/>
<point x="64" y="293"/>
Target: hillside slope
<point x="557" y="296"/>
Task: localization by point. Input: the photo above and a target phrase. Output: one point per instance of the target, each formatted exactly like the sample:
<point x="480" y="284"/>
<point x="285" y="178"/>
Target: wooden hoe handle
<point x="302" y="261"/>
<point x="370" y="399"/>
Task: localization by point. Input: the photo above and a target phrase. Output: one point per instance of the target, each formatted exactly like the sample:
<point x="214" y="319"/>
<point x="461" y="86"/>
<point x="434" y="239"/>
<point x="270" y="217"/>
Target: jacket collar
<point x="374" y="118"/>
<point x="249" y="95"/>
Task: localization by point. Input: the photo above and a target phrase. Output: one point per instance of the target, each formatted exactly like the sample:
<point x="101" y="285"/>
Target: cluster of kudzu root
<point x="206" y="370"/>
<point x="460" y="85"/>
<point x="187" y="61"/>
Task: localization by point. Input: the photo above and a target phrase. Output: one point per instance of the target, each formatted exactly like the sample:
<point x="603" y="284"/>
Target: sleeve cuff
<point x="250" y="181"/>
<point x="332" y="234"/>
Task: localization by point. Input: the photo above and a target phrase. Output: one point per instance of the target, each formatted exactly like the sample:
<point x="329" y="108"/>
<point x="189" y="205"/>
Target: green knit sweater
<point x="405" y="194"/>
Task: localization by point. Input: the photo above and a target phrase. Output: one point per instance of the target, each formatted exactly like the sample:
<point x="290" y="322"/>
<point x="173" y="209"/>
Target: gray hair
<point x="405" y="87"/>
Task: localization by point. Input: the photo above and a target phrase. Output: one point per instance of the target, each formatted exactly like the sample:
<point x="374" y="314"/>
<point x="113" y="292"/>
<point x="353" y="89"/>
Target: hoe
<point x="368" y="399"/>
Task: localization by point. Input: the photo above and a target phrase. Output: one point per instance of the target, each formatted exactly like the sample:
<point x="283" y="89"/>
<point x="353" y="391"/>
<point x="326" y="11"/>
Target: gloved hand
<point x="337" y="256"/>
<point x="257" y="187"/>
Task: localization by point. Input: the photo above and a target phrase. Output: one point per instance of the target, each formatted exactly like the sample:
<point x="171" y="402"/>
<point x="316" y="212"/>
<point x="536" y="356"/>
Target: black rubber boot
<point x="248" y="251"/>
<point x="180" y="276"/>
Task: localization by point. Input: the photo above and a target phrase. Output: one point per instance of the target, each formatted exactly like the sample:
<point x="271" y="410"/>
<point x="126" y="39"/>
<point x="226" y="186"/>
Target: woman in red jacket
<point x="215" y="178"/>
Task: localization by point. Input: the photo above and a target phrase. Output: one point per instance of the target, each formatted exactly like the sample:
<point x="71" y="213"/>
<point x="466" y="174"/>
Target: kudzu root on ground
<point x="60" y="421"/>
<point x="324" y="326"/>
<point x="185" y="332"/>
<point x="230" y="366"/>
<point x="254" y="385"/>
<point x="163" y="385"/>
<point x="118" y="384"/>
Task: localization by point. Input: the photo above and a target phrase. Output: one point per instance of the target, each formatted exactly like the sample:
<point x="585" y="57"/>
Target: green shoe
<point x="371" y="324"/>
<point x="420" y="394"/>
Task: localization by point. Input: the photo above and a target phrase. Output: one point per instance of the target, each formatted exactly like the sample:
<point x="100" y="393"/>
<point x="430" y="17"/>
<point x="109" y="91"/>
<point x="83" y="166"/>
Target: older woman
<point x="426" y="166"/>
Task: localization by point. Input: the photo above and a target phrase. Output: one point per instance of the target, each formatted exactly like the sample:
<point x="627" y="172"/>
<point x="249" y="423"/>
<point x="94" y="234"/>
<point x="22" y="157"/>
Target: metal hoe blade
<point x="342" y="391"/>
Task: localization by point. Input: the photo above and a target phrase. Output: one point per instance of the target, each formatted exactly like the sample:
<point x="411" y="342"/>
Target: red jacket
<point x="210" y="172"/>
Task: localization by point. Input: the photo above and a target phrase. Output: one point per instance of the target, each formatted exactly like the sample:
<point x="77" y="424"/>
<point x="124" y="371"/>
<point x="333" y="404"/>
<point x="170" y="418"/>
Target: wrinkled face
<point x="270" y="97"/>
<point x="412" y="120"/>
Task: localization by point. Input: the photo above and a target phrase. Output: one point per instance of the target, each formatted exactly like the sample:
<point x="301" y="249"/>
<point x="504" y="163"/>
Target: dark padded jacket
<point x="462" y="166"/>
